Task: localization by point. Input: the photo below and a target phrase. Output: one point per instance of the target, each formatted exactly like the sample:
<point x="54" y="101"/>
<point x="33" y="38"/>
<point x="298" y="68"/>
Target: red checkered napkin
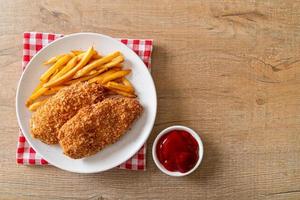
<point x="33" y="42"/>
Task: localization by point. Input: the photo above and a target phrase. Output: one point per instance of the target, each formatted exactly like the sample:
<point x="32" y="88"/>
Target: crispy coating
<point x="98" y="125"/>
<point x="58" y="109"/>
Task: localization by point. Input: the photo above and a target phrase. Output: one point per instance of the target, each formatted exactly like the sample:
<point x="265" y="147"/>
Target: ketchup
<point x="178" y="151"/>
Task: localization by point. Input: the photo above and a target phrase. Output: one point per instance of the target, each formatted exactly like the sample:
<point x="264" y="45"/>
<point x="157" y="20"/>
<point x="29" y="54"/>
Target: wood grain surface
<point x="228" y="69"/>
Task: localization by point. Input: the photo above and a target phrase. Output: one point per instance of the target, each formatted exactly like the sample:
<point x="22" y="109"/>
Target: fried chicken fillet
<point x="96" y="126"/>
<point x="58" y="109"/>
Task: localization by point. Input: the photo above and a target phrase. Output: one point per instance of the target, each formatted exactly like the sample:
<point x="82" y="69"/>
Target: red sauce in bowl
<point x="177" y="150"/>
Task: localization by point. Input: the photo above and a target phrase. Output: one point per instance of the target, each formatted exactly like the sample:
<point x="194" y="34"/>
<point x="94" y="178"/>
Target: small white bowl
<point x="167" y="130"/>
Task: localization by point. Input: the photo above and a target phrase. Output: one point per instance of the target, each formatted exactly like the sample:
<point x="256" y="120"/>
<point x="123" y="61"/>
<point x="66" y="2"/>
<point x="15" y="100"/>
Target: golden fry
<point x="99" y="71"/>
<point x="96" y="56"/>
<point x="38" y="87"/>
<point x="116" y="75"/>
<point x="54" y="74"/>
<point x="39" y="90"/>
<point x="126" y="94"/>
<point x="103" y="75"/>
<point x="49" y="92"/>
<point x="80" y="55"/>
<point x="50" y="61"/>
<point x="125" y="81"/>
<point x="119" y="65"/>
<point x="33" y="107"/>
<point x="96" y="63"/>
<point x="102" y="67"/>
<point x="81" y="79"/>
<point x="92" y="72"/>
<point x="72" y="54"/>
<point x="61" y="62"/>
<point x="121" y="87"/>
<point x="67" y="68"/>
<point x="53" y="59"/>
<point x="85" y="78"/>
<point x="28" y="102"/>
<point x="67" y="76"/>
<point x="114" y="62"/>
<point x="53" y="90"/>
<point x="77" y="52"/>
<point x="119" y="80"/>
<point x="36" y="95"/>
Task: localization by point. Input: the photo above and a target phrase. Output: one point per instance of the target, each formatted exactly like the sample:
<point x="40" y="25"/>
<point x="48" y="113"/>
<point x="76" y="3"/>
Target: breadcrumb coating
<point x="58" y="109"/>
<point x="96" y="126"/>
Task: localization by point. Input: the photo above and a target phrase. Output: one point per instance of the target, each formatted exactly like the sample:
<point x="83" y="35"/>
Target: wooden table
<point x="230" y="70"/>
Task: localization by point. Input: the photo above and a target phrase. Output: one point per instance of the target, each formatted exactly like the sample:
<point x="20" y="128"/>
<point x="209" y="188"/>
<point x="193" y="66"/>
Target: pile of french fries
<point x="80" y="66"/>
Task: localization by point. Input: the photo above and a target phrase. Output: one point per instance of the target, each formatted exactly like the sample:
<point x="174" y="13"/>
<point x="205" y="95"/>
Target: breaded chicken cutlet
<point x="96" y="126"/>
<point x="58" y="109"/>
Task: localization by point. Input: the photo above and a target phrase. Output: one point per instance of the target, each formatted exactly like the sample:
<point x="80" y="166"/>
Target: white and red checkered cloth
<point x="32" y="43"/>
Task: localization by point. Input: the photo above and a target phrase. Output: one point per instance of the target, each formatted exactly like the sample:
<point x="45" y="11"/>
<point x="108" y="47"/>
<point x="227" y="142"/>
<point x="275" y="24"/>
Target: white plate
<point x="112" y="155"/>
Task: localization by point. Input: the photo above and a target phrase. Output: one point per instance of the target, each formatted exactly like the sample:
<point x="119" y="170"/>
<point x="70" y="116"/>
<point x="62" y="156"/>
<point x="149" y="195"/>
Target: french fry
<point x="33" y="107"/>
<point x="103" y="75"/>
<point x="81" y="79"/>
<point x="102" y="66"/>
<point x="50" y="61"/>
<point x="96" y="56"/>
<point x="121" y="87"/>
<point x="53" y="90"/>
<point x="67" y="68"/>
<point x="126" y="94"/>
<point x="38" y="87"/>
<point x="119" y="80"/>
<point x="125" y="81"/>
<point x="29" y="101"/>
<point x="60" y="63"/>
<point x="116" y="75"/>
<point x="72" y="54"/>
<point x="85" y="78"/>
<point x="35" y="95"/>
<point x="53" y="59"/>
<point x="119" y="65"/>
<point x="49" y="92"/>
<point x="53" y="75"/>
<point x="114" y="62"/>
<point x="80" y="55"/>
<point x="77" y="52"/>
<point x="42" y="90"/>
<point x="91" y="72"/>
<point x="96" y="63"/>
<point x="101" y="69"/>
<point x="67" y="76"/>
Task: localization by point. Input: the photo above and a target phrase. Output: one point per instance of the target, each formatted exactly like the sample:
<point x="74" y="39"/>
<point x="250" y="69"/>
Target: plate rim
<point x="18" y="102"/>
